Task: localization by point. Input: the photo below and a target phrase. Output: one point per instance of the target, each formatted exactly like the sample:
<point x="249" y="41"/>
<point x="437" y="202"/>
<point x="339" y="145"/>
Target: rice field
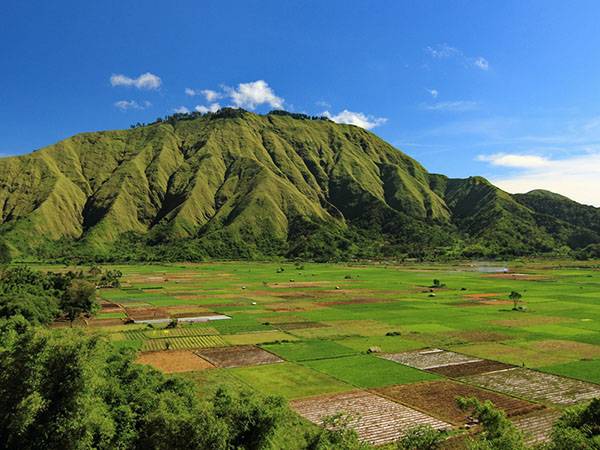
<point x="380" y="337"/>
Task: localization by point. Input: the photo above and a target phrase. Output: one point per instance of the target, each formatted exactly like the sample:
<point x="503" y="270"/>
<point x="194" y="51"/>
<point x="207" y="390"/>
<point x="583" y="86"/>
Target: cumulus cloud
<point x="245" y="95"/>
<point x="181" y="110"/>
<point x="211" y="95"/>
<point x="433" y="92"/>
<point x="250" y="95"/>
<point x="576" y="177"/>
<point x="515" y="160"/>
<point x="455" y="106"/>
<point x="124" y="105"/>
<point x="356" y="118"/>
<point x="214" y="107"/>
<point x="144" y="81"/>
<point x="445" y="51"/>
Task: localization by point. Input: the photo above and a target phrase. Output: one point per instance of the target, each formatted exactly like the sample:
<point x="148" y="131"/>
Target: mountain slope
<point x="237" y="184"/>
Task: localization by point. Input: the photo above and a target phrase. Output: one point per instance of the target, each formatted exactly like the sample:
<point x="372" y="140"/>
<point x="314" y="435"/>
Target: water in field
<point x="492" y="269"/>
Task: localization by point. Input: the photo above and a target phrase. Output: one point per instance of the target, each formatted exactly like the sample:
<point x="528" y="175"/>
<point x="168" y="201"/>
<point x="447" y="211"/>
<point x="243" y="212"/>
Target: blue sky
<point x="508" y="90"/>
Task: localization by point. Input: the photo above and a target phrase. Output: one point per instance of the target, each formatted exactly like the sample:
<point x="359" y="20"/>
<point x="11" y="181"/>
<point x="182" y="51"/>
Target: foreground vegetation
<point x="81" y="387"/>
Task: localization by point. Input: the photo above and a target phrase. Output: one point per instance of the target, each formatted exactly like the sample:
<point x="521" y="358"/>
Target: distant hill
<point x="234" y="184"/>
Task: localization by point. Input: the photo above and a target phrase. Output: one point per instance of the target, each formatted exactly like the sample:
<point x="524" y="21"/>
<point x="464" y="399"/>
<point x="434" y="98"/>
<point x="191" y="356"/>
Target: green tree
<point x="336" y="434"/>
<point x="27" y="293"/>
<point x="112" y="278"/>
<point x="578" y="428"/>
<point x="251" y="420"/>
<point x="5" y="256"/>
<point x="516" y="298"/>
<point x="422" y="437"/>
<point x="78" y="299"/>
<point x="498" y="433"/>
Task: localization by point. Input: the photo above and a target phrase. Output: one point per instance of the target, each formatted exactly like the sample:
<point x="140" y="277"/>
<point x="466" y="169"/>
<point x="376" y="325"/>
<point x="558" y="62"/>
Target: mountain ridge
<point x="238" y="184"/>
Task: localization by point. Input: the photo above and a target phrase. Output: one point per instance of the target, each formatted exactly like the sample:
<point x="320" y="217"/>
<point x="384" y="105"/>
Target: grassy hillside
<point x="237" y="184"/>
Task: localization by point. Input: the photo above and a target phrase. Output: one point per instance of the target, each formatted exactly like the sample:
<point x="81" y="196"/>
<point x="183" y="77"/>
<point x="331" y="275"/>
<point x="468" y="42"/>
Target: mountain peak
<point x="282" y="183"/>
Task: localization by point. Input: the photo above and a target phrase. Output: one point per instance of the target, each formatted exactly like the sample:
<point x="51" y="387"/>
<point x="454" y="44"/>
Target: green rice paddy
<point x="322" y="318"/>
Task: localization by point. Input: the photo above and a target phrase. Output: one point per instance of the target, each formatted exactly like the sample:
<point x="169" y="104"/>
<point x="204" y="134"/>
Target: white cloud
<point x="323" y="104"/>
<point x="482" y="63"/>
<point x="577" y="177"/>
<point x="124" y="105"/>
<point x="356" y="118"/>
<point x="445" y="51"/>
<point x="214" y="107"/>
<point x="433" y="92"/>
<point x="211" y="95"/>
<point x="515" y="160"/>
<point x="250" y="95"/>
<point x="190" y="92"/>
<point x="145" y="81"/>
<point x="182" y="110"/>
<point x="455" y="106"/>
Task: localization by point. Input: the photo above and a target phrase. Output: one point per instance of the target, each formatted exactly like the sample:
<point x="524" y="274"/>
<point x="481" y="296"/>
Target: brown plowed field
<point x="438" y="398"/>
<point x="470" y="368"/>
<point x="238" y="356"/>
<point x="377" y="420"/>
<point x="174" y="361"/>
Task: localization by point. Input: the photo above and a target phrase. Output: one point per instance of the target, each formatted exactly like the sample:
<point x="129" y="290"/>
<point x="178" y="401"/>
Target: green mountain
<point x="241" y="185"/>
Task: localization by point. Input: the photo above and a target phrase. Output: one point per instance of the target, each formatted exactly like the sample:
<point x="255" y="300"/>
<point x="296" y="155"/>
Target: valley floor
<point x="385" y="343"/>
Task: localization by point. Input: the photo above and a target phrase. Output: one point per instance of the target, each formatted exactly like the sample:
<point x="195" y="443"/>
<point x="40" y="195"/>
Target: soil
<point x="517" y="276"/>
<point x="376" y="419"/>
<point x="428" y="359"/>
<point x="146" y="313"/>
<point x="537" y="426"/>
<point x="537" y="386"/>
<point x="467" y="369"/>
<point x="174" y="361"/>
<point x="438" y="398"/>
<point x="238" y="356"/>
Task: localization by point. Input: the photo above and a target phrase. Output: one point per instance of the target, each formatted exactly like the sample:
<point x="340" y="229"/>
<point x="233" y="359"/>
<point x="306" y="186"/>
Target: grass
<point x="289" y="380"/>
<point x="367" y="371"/>
<point x="308" y="350"/>
<point x="258" y="337"/>
<point x="586" y="370"/>
<point x="560" y="332"/>
<point x="182" y="343"/>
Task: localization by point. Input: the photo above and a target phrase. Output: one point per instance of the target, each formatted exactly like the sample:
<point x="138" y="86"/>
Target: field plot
<point x="366" y="371"/>
<point x="171" y="332"/>
<point x="586" y="370"/>
<point x="469" y="368"/>
<point x="288" y="380"/>
<point x="429" y="359"/>
<point x="238" y="356"/>
<point x="188" y="342"/>
<point x="258" y="337"/>
<point x="173" y="362"/>
<point x="536" y="427"/>
<point x="299" y="325"/>
<point x="307" y="350"/>
<point x="537" y="386"/>
<point x="376" y="420"/>
<point x="438" y="398"/>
